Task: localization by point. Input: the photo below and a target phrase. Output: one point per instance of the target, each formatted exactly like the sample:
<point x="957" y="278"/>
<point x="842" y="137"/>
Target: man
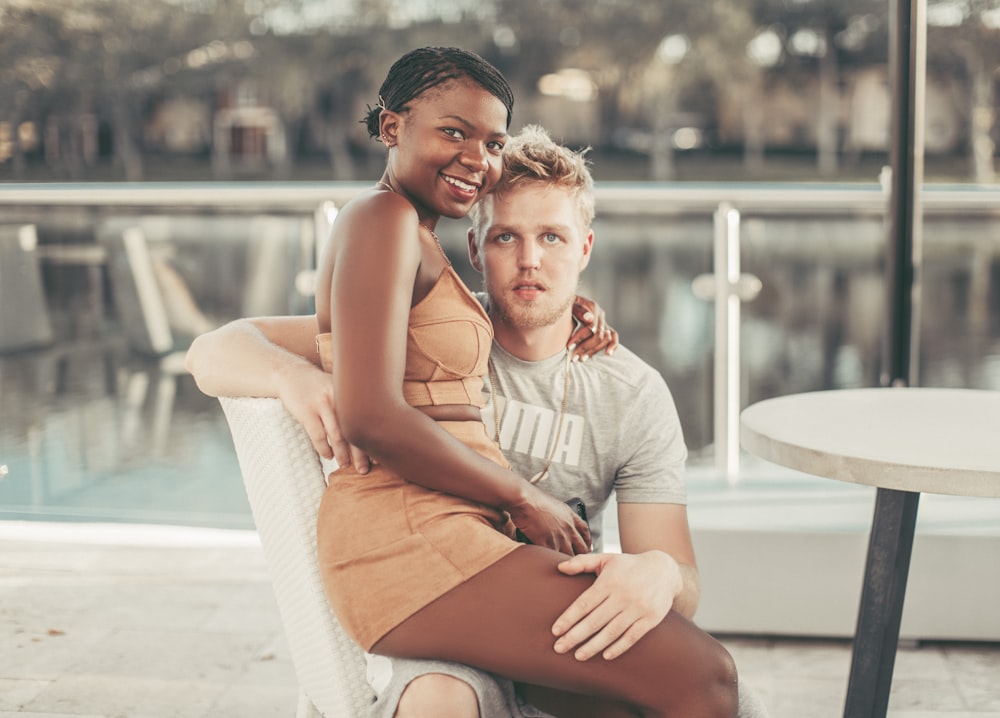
<point x="580" y="429"/>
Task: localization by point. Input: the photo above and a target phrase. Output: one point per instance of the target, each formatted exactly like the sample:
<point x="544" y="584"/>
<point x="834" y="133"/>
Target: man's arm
<point x="655" y="574"/>
<point x="253" y="357"/>
<point x="663" y="528"/>
<point x="275" y="357"/>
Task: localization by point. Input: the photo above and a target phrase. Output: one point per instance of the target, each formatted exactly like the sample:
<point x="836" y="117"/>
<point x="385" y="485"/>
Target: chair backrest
<point x="284" y="483"/>
<point x="137" y="296"/>
<point x="24" y="314"/>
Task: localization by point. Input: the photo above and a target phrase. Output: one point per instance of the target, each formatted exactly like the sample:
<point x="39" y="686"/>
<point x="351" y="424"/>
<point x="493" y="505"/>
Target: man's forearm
<point x="663" y="528"/>
<point x="687" y="600"/>
<point x="238" y="359"/>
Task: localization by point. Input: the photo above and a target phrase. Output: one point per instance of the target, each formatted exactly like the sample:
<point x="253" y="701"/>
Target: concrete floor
<point x="120" y="621"/>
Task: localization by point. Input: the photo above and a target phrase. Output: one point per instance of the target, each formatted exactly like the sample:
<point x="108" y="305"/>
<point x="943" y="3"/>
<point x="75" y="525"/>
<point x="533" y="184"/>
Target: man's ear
<point x="588" y="246"/>
<point x="474" y="257"/>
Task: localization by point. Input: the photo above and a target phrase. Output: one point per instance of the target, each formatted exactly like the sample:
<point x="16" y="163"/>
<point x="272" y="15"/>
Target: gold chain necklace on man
<point x="433" y="234"/>
<point x="562" y="415"/>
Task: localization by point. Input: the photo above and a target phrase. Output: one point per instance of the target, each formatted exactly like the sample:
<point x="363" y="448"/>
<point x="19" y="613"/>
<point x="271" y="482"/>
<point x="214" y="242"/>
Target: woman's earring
<point x="385" y="141"/>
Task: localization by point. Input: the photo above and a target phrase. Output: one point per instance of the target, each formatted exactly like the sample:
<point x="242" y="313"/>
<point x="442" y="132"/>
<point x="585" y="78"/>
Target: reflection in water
<point x="146" y="447"/>
<point x="90" y="429"/>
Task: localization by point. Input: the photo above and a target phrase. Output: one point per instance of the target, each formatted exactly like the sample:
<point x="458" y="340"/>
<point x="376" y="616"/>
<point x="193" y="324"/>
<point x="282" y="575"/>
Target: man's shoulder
<point x="625" y="367"/>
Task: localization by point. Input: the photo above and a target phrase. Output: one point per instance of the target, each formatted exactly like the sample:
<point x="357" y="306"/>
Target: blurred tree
<point x="621" y="44"/>
<point x="963" y="42"/>
<point x="31" y="61"/>
<point x="321" y="65"/>
<point x="75" y="64"/>
<point x="820" y="38"/>
<point x="723" y="49"/>
<point x="153" y="49"/>
<point x="76" y="68"/>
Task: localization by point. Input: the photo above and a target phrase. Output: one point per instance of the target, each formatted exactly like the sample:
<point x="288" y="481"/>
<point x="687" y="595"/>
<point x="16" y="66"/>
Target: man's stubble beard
<point x="521" y="316"/>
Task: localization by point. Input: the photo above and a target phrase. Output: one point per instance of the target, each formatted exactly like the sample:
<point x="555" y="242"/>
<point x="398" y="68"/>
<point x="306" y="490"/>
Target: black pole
<point x="876" y="634"/>
<point x="907" y="60"/>
<point x="891" y="541"/>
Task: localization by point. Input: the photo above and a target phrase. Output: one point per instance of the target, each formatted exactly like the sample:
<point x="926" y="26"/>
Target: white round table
<point x="903" y="441"/>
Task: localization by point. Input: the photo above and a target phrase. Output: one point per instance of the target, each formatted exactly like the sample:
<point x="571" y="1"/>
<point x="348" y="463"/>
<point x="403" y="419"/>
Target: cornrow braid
<point x="424" y="68"/>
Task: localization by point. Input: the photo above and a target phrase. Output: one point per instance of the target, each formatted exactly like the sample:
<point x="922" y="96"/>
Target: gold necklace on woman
<point x="433" y="234"/>
<point x="562" y="415"/>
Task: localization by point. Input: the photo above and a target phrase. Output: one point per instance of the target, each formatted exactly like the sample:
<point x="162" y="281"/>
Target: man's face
<point x="531" y="255"/>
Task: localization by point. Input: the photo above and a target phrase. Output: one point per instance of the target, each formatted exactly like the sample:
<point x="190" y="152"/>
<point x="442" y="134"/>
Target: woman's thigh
<point x="501" y="620"/>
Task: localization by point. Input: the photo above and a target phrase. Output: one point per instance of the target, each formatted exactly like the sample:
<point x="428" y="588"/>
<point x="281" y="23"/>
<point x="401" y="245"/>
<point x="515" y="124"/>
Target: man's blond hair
<point x="532" y="156"/>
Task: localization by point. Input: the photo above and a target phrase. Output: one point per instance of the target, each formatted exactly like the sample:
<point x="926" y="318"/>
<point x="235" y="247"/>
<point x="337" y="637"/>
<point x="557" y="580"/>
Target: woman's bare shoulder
<point x="386" y="214"/>
<point x="376" y="235"/>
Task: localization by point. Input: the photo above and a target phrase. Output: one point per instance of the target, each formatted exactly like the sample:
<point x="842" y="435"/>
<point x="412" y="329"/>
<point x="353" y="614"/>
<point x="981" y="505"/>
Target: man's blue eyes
<point x="507" y="238"/>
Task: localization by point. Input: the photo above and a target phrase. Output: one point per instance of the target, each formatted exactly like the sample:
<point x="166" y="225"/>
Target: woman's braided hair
<point x="419" y="70"/>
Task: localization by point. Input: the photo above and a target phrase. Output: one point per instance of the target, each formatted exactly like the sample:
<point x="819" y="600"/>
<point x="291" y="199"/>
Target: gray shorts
<point x="389" y="677"/>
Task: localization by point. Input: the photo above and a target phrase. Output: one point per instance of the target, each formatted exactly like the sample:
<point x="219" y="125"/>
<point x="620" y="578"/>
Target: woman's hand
<point x="307" y="393"/>
<point x="546" y="521"/>
<point x="595" y="334"/>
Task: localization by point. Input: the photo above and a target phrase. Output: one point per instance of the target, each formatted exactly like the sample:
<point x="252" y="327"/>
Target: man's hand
<point x="307" y="393"/>
<point x="632" y="594"/>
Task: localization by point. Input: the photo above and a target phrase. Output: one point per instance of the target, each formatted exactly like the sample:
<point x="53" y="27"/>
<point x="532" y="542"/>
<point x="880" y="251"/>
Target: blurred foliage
<point x="317" y="62"/>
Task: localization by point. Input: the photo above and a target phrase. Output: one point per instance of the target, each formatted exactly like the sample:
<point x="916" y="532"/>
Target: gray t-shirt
<point x="620" y="430"/>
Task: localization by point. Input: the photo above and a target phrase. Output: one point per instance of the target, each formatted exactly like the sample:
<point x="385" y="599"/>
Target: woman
<point x="418" y="554"/>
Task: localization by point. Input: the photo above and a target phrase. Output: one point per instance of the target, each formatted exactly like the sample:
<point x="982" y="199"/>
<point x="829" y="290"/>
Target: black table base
<point x="881" y="609"/>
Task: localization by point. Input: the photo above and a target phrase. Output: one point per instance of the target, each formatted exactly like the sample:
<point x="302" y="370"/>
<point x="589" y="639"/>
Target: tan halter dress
<point x="388" y="547"/>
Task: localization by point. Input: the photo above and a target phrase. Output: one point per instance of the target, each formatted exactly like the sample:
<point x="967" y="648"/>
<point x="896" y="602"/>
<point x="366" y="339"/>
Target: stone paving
<point x="157" y="622"/>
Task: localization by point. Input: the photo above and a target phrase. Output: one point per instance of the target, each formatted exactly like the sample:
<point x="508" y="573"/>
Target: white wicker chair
<point x="284" y="483"/>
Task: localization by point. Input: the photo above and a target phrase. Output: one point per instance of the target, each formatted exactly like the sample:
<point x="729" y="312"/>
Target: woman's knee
<point x="703" y="683"/>
<point x="719" y="683"/>
<point x="437" y="694"/>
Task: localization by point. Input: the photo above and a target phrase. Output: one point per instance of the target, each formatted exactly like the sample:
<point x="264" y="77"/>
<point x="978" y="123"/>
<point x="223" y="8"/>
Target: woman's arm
<point x="276" y="357"/>
<point x="378" y="256"/>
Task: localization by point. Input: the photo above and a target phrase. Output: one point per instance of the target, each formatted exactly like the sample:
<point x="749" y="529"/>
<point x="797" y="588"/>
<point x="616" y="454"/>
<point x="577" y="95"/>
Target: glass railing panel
<point x="101" y="422"/>
<point x="818" y="321"/>
<point x="95" y="427"/>
<point x="960" y="301"/>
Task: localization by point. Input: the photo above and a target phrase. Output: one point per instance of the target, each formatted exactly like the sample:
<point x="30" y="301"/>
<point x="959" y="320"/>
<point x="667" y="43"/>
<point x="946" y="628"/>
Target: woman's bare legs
<point x="500" y="620"/>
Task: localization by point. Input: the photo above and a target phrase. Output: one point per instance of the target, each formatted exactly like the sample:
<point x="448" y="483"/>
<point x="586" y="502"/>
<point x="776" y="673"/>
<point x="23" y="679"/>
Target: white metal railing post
<point x="323" y="217"/>
<point x="727" y="287"/>
<point x="727" y="341"/>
